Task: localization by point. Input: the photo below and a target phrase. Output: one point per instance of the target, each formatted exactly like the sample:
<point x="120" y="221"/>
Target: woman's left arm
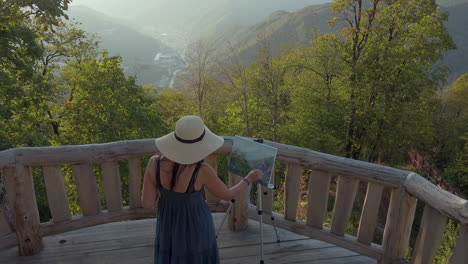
<point x="150" y="193"/>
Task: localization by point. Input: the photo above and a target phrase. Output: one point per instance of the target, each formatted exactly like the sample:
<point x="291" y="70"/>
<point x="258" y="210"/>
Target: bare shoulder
<point x="154" y="157"/>
<point x="207" y="170"/>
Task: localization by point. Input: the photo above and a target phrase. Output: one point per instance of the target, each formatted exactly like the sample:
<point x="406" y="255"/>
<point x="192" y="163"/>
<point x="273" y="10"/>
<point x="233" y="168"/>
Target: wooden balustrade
<point x="405" y="189"/>
<point x="430" y="236"/>
<point x="319" y="187"/>
<point x="370" y="211"/>
<point x="134" y="164"/>
<point x="56" y="193"/>
<point x="292" y="190"/>
<point x="345" y="195"/>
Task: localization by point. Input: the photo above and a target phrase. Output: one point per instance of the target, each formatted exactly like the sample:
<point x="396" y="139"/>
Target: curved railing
<point x="406" y="187"/>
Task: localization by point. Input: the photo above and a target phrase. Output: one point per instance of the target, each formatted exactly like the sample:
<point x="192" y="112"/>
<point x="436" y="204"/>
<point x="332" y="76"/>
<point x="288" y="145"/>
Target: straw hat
<point x="191" y="141"/>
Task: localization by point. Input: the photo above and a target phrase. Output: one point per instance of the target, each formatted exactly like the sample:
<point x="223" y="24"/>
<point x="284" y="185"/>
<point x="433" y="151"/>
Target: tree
<point x="315" y="79"/>
<point x="390" y="50"/>
<point x="21" y="88"/>
<point x="107" y="105"/>
<point x="198" y="76"/>
<point x="235" y="75"/>
<point x="67" y="44"/>
<point x="267" y="81"/>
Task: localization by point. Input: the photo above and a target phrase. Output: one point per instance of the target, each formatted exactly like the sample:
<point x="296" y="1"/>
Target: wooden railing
<point x="405" y="188"/>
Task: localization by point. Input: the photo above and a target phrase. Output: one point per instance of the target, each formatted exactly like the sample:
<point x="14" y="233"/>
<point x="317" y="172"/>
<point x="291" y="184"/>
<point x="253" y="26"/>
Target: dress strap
<point x="191" y="187"/>
<point x="158" y="171"/>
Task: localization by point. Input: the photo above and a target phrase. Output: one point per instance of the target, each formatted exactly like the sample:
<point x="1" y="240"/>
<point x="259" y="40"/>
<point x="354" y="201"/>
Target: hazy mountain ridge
<point x="280" y="28"/>
<point x="117" y="37"/>
<point x="137" y="50"/>
<point x="303" y="25"/>
<point x="230" y="23"/>
<point x="457" y="25"/>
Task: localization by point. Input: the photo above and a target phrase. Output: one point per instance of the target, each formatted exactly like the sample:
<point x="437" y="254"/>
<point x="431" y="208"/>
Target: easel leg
<point x="274" y="226"/>
<point x="225" y="217"/>
<point x="273" y="222"/>
<point x="260" y="213"/>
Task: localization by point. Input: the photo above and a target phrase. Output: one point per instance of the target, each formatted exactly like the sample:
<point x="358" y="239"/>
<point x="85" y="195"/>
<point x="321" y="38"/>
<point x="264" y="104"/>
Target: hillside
<point x="137" y="49"/>
<point x="194" y="16"/>
<point x="457" y="25"/>
<point x="282" y="28"/>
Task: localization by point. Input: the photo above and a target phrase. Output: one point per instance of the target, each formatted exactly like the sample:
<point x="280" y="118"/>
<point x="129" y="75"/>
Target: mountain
<point x="280" y="28"/>
<point x="137" y="50"/>
<point x="194" y="16"/>
<point x="457" y="25"/>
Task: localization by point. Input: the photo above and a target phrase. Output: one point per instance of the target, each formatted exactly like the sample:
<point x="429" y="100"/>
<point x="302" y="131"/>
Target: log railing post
<point x="292" y="190"/>
<point x="319" y="187"/>
<point x="56" y="193"/>
<point x="26" y="213"/>
<point x="370" y="212"/>
<point x="430" y="236"/>
<point x="460" y="254"/>
<point x="212" y="160"/>
<point x="85" y="180"/>
<point x="112" y="185"/>
<point x="267" y="198"/>
<point x="134" y="165"/>
<point x="238" y="217"/>
<point x="398" y="227"/>
<point x="345" y="195"/>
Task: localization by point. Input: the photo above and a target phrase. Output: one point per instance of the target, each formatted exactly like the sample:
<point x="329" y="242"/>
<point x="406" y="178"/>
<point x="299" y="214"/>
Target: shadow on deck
<point x="133" y="241"/>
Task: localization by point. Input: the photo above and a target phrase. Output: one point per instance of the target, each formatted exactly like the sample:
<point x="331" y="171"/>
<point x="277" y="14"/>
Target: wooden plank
<point x="319" y="187"/>
<point x="441" y="200"/>
<point x="26" y="213"/>
<point x="299" y="227"/>
<point x="134" y="165"/>
<point x="398" y="227"/>
<point x="345" y="195"/>
<point x="121" y="242"/>
<point x="370" y="212"/>
<point x="112" y="185"/>
<point x="85" y="180"/>
<point x="77" y="222"/>
<point x="56" y="193"/>
<point x="292" y="190"/>
<point x="212" y="160"/>
<point x="237" y="220"/>
<point x="460" y="254"/>
<point x="430" y="236"/>
<point x="8" y="241"/>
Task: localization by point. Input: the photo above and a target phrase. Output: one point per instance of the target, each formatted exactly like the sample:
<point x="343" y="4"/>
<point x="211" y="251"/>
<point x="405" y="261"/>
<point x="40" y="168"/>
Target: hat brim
<point x="188" y="153"/>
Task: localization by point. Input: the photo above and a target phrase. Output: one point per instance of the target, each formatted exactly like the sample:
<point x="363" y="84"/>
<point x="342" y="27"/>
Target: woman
<point x="185" y="229"/>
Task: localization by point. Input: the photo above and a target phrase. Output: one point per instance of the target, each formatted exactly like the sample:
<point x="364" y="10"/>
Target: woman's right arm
<point x="220" y="190"/>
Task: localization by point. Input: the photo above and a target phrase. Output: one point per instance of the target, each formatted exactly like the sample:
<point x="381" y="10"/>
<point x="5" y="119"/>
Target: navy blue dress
<point x="185" y="231"/>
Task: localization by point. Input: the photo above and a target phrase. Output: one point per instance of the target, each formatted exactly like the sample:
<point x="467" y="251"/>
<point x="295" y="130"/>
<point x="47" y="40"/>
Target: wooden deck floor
<point x="132" y="242"/>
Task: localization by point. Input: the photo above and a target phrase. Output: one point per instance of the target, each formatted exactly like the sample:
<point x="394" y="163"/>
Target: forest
<point x="372" y="89"/>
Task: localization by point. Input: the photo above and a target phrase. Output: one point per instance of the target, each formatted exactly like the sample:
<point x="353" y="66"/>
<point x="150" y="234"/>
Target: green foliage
<point x="106" y="105"/>
<point x="449" y="240"/>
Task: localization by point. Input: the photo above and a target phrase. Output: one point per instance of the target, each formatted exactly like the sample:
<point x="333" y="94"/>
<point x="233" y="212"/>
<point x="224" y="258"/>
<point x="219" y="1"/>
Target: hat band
<point x="190" y="141"/>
